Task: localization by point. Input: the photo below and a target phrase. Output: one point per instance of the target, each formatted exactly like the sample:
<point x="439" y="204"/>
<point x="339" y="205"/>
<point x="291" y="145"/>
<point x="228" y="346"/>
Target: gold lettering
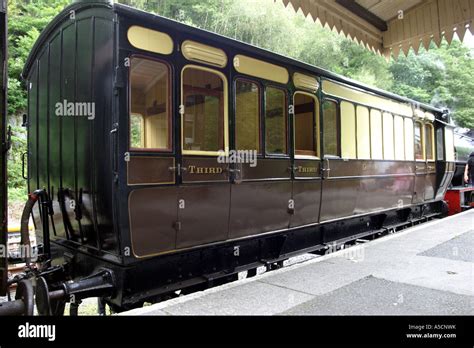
<point x="191" y="169"/>
<point x="199" y="170"/>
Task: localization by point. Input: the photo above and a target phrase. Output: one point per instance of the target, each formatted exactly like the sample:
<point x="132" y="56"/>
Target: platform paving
<point x="424" y="270"/>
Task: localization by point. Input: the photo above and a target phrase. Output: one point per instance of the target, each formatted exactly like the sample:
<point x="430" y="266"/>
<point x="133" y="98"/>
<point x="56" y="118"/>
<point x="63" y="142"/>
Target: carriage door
<point x="204" y="190"/>
<point x="306" y="168"/>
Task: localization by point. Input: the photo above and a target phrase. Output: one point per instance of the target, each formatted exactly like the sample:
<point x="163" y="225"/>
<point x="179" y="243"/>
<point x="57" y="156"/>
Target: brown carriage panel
<point x="153" y="214"/>
<point x="338" y="198"/>
<point x="198" y="169"/>
<point x="267" y="169"/>
<point x="203" y="214"/>
<point x="259" y="207"/>
<point x="150" y="170"/>
<point x="307" y="169"/>
<point x="306" y="197"/>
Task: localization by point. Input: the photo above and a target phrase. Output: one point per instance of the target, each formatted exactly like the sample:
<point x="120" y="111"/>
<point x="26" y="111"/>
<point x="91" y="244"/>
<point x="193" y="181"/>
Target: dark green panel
<point x="54" y="98"/>
<point x="43" y="120"/>
<point x="33" y="131"/>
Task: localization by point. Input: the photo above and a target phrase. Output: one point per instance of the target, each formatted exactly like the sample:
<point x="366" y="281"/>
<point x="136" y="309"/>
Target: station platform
<point x="424" y="270"/>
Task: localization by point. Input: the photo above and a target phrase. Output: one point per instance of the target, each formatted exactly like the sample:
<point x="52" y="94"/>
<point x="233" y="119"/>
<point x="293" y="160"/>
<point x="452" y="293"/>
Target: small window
<point x="275" y="121"/>
<point x="388" y="146"/>
<point x="376" y="138"/>
<point x="399" y="130"/>
<point x="204" y="120"/>
<point x="150" y="123"/>
<point x="247" y="115"/>
<point x="439" y="144"/>
<point x="330" y="131"/>
<point x="418" y="141"/>
<point x="429" y="142"/>
<point x="306" y="124"/>
<point x="348" y="130"/>
<point x="363" y="133"/>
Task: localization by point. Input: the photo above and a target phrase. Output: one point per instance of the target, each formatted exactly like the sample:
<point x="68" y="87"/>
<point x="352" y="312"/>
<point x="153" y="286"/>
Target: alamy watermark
<point x="78" y="109"/>
<point x="238" y="156"/>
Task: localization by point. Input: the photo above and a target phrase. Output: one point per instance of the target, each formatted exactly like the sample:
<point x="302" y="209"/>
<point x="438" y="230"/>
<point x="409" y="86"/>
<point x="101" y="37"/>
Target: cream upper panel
<point x="357" y="96"/>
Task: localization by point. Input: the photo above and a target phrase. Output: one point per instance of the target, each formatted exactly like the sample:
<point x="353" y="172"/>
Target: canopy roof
<point x="392" y="26"/>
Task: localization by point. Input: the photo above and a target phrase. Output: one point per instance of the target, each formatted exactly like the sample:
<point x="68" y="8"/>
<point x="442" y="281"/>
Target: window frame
<point x="264" y="128"/>
<point x="316" y="128"/>
<point x="261" y="88"/>
<point x="170" y="148"/>
<point x="338" y="127"/>
<point x="422" y="139"/>
<point x="225" y="112"/>
<point x="433" y="158"/>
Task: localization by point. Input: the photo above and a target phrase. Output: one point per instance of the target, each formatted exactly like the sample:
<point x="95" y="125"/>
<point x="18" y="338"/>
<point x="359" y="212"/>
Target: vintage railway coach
<point x="129" y="116"/>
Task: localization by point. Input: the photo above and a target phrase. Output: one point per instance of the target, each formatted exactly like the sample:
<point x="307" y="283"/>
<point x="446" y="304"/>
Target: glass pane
<point x="439" y="144"/>
<point x="247" y="116"/>
<point x="388" y="146"/>
<point x="409" y="146"/>
<point x="203" y="93"/>
<point x="363" y="133"/>
<point x="137" y="134"/>
<point x="348" y="130"/>
<point x="418" y="142"/>
<point x="305" y="124"/>
<point x="149" y="99"/>
<point x="399" y="138"/>
<point x="275" y="121"/>
<point x="376" y="138"/>
<point x="429" y="142"/>
<point x="330" y="128"/>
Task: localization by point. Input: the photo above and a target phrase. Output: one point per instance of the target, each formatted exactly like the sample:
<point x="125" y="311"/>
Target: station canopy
<point x="392" y="26"/>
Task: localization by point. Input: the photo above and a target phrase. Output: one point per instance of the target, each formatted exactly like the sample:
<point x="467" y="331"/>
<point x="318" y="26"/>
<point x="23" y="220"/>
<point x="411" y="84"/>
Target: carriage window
<point x="376" y="138"/>
<point x="204" y="111"/>
<point x="247" y="116"/>
<point x="388" y="147"/>
<point x="330" y="133"/>
<point x="399" y="138"/>
<point x="348" y="130"/>
<point x="418" y="141"/>
<point x="149" y="100"/>
<point x="363" y="133"/>
<point x="306" y="124"/>
<point x="409" y="148"/>
<point x="429" y="142"/>
<point x="439" y="144"/>
<point x="275" y="121"/>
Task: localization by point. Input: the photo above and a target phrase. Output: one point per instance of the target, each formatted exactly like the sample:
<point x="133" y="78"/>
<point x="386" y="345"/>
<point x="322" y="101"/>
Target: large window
<point x="247" y="115"/>
<point x="388" y="148"/>
<point x="306" y="124"/>
<point x="419" y="141"/>
<point x="331" y="129"/>
<point x="399" y="131"/>
<point x="150" y="123"/>
<point x="363" y="133"/>
<point x="429" y="142"/>
<point x="348" y="131"/>
<point x="376" y="137"/>
<point x="204" y="120"/>
<point x="275" y="121"/>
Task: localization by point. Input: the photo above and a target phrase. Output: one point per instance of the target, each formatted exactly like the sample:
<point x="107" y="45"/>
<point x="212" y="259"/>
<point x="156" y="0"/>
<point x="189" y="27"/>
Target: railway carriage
<point x="135" y="128"/>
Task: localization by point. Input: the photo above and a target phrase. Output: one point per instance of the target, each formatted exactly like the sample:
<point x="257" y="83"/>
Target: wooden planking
<point x="423" y="21"/>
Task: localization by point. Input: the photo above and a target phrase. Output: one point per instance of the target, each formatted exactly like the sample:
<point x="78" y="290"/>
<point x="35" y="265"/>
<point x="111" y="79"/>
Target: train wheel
<point x="25" y="293"/>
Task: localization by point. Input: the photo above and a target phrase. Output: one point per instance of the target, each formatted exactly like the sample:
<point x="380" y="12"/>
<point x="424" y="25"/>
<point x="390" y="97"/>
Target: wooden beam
<point x="363" y="13"/>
